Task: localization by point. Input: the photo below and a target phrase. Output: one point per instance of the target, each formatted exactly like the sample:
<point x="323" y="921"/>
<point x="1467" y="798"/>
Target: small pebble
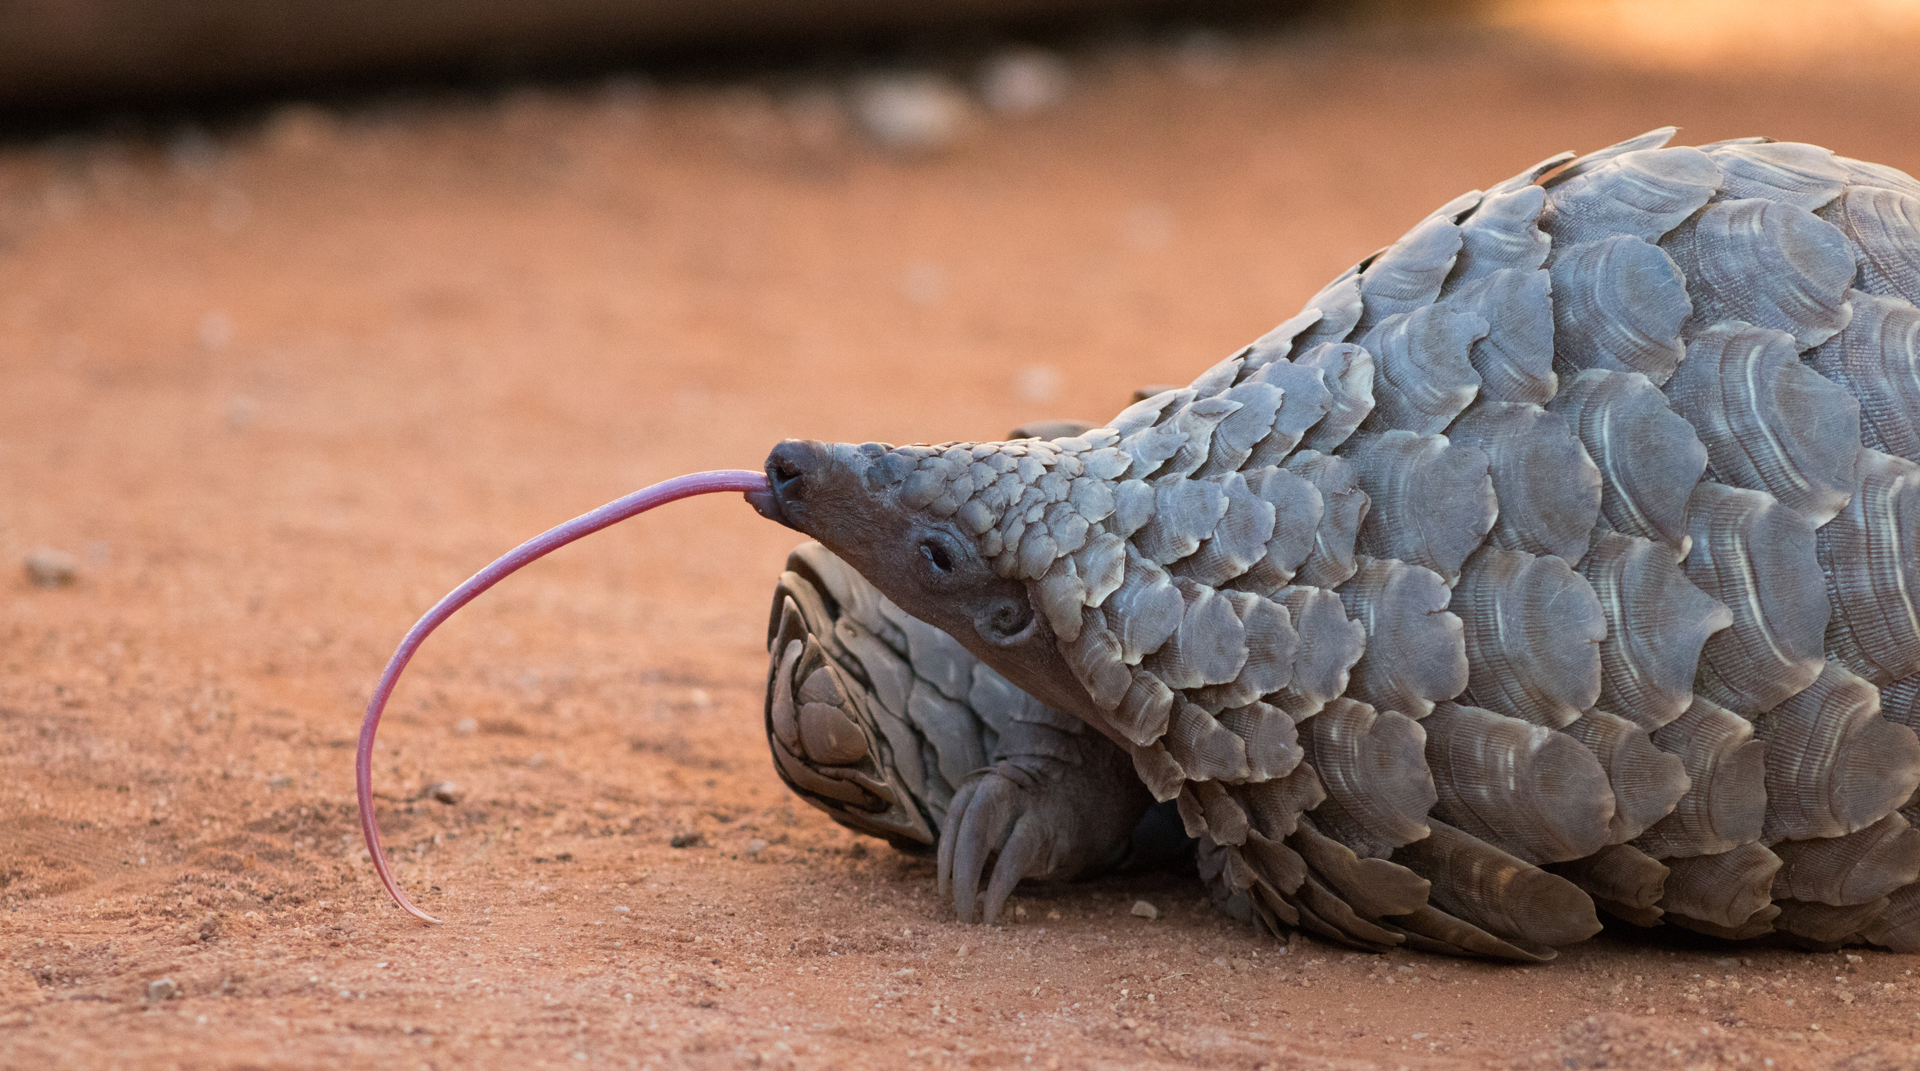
<point x="1022" y="80"/>
<point x="442" y="792"/>
<point x="686" y="840"/>
<point x="910" y="113"/>
<point x="466" y="727"/>
<point x="162" y="989"/>
<point x="51" y="568"/>
<point x="1142" y="909"/>
<point x="756" y="846"/>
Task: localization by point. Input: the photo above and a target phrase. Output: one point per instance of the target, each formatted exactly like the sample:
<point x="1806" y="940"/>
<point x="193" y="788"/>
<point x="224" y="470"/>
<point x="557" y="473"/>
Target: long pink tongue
<point x="700" y="483"/>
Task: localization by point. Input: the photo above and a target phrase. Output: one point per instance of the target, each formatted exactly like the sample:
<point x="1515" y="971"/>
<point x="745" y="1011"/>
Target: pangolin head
<point x="983" y="540"/>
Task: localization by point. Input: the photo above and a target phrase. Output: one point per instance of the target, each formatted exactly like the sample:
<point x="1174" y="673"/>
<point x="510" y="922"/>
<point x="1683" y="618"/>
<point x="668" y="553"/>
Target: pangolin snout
<point x="789" y="467"/>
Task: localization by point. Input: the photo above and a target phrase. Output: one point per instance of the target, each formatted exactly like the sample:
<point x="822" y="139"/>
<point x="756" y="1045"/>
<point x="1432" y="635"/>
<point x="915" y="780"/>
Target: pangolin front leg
<point x="895" y="730"/>
<point x="1058" y="802"/>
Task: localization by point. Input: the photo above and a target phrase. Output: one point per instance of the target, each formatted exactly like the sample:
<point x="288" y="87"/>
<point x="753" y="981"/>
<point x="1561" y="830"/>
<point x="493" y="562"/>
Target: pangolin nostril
<point x="786" y="475"/>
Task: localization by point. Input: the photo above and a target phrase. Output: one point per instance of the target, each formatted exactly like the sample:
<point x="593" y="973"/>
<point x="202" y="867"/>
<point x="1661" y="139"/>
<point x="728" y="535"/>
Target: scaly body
<point x="1562" y="554"/>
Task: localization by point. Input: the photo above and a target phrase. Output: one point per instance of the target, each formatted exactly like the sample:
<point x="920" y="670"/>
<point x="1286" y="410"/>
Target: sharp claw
<point x="1017" y="857"/>
<point x="981" y="831"/>
<point x="950" y="834"/>
<point x="967" y="861"/>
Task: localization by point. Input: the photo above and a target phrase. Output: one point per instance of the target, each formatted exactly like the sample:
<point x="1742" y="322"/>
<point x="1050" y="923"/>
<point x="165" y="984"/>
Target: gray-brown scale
<point x="1562" y="556"/>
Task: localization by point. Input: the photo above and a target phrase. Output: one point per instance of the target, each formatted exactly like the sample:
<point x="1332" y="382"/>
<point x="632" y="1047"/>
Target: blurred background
<point x="67" y="55"/>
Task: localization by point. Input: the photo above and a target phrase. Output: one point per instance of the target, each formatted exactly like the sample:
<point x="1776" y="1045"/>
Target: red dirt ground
<point x="279" y="390"/>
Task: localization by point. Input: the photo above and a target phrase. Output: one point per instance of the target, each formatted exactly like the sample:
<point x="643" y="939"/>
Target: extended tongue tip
<point x="753" y="485"/>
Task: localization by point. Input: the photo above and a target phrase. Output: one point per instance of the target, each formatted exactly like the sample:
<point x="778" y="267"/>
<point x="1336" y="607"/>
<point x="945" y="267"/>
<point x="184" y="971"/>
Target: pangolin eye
<point x="937" y="556"/>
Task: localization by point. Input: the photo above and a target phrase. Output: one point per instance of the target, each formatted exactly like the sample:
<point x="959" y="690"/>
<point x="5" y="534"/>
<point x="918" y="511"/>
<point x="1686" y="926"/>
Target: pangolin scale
<point x="1561" y="558"/>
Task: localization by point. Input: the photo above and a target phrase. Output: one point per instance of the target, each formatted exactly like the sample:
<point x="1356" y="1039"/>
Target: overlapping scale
<point x="1479" y="884"/>
<point x="1803" y="290"/>
<point x="1415" y="650"/>
<point x="1769" y="422"/>
<point x="1238" y="538"/>
<point x="1547" y="488"/>
<point x="1338" y="304"/>
<point x="1235" y="437"/>
<point x="1373" y="765"/>
<point x="1330" y="644"/>
<point x="1347" y="371"/>
<point x="1725" y="804"/>
<point x="1431" y="500"/>
<point x="1794" y="173"/>
<point x="1434" y="931"/>
<point x="1882" y="225"/>
<point x="1870" y="554"/>
<point x="1623" y="881"/>
<point x="1642" y="193"/>
<point x="1649" y="457"/>
<point x="1343" y="507"/>
<point x="1422" y="375"/>
<point x="1514" y="358"/>
<point x="1406" y="276"/>
<point x="1834" y="765"/>
<point x="1856" y="868"/>
<point x="1567" y="165"/>
<point x="1864" y="175"/>
<point x="1725" y="895"/>
<point x="1374" y="888"/>
<point x="1205" y="749"/>
<point x="1757" y="557"/>
<point x="1825" y="926"/>
<point x="1532" y="792"/>
<point x="1532" y="628"/>
<point x="1647" y="782"/>
<point x="1269" y="740"/>
<point x="1657" y="622"/>
<point x="1897" y="926"/>
<point x="1304" y="402"/>
<point x="1298" y="508"/>
<point x="1876" y="357"/>
<point x="1502" y="234"/>
<point x="1618" y="304"/>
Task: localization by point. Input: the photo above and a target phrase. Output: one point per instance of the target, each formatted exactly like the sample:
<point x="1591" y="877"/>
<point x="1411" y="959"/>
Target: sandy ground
<point x="278" y="390"/>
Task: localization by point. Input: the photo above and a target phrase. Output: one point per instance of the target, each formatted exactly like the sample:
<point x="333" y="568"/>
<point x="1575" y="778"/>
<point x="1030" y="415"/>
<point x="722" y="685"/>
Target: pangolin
<point x="1559" y="558"/>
